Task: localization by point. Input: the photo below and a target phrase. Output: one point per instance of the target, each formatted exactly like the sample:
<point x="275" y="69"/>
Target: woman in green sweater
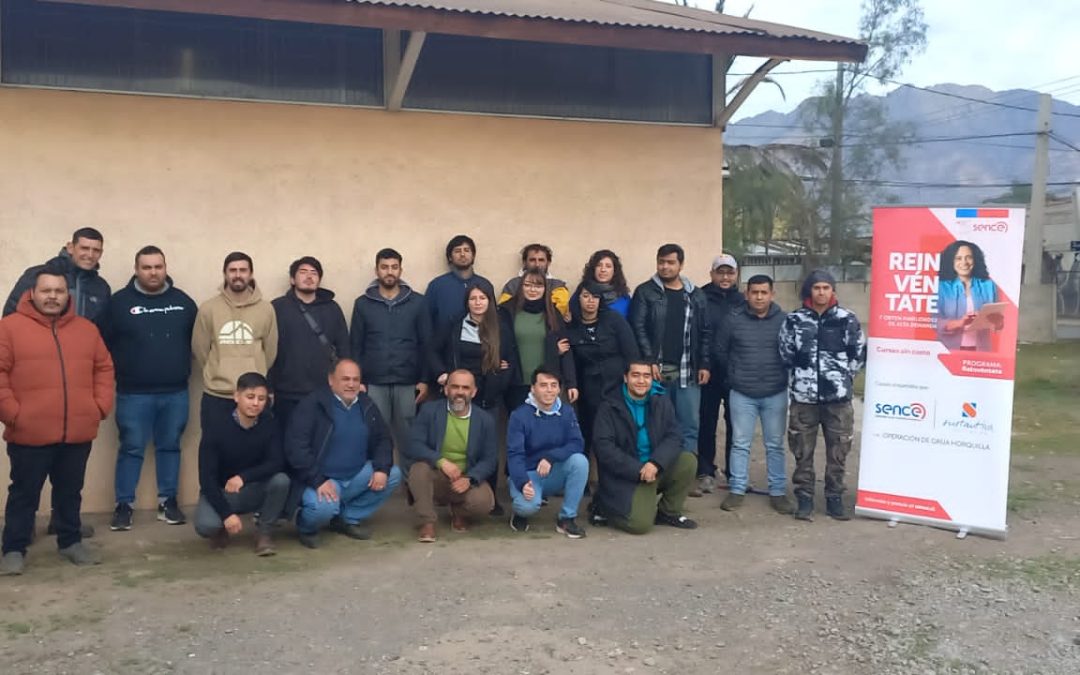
<point x="539" y="335"/>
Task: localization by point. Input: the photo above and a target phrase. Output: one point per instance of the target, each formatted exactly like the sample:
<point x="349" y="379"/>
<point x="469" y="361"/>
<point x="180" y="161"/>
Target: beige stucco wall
<point x="201" y="178"/>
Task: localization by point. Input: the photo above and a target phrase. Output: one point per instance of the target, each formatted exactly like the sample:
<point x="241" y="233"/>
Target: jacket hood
<point x="774" y="309"/>
<point x="555" y="409"/>
<point x="688" y="285"/>
<point x="322" y="296"/>
<point x="817" y="277"/>
<point x="133" y="285"/>
<point x="656" y="389"/>
<point x="717" y="294"/>
<point x="65" y="261"/>
<point x="27" y="308"/>
<point x="253" y="298"/>
<point x="372" y="293"/>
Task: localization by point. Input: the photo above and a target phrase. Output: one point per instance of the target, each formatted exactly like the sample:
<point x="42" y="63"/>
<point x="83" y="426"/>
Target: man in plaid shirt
<point x="670" y="321"/>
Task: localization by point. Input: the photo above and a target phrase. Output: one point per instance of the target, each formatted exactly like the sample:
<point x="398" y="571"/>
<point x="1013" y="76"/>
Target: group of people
<point x="301" y="413"/>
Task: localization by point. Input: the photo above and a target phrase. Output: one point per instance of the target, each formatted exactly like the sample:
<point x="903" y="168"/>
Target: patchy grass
<point x="1046" y="417"/>
<point x="1045" y="571"/>
<point x="15" y="628"/>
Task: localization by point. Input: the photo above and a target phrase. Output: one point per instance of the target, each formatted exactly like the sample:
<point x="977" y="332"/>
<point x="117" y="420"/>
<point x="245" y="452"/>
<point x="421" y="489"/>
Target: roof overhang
<point x="629" y="24"/>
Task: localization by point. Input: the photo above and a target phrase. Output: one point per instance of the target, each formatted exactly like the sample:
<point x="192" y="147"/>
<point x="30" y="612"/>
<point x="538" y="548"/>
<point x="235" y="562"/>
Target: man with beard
<point x="452" y="450"/>
<point x="56" y="385"/>
<point x="446" y="293"/>
<point x="235" y="333"/>
<point x="391" y="328"/>
<point x="312" y="335"/>
<point x="149" y="333"/>
<point x="537" y="258"/>
<point x="722" y="296"/>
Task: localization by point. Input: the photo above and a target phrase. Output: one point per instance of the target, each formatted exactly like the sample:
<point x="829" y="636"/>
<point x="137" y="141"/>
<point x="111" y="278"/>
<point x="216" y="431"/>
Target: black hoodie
<point x="302" y="360"/>
<point x="150" y="339"/>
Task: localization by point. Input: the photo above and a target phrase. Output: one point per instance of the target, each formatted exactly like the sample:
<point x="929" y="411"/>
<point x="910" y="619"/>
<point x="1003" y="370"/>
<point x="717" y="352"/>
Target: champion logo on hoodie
<point x="236" y="333"/>
<point x="139" y="309"/>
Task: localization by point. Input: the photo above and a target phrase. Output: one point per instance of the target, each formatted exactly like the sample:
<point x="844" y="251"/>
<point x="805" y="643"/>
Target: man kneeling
<point x="453" y="452"/>
<point x="545" y="456"/>
<point x="339" y="448"/>
<point x="644" y="473"/>
<point x="240" y="469"/>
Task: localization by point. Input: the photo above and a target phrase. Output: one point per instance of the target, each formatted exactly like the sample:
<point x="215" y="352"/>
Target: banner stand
<point x="962" y="531"/>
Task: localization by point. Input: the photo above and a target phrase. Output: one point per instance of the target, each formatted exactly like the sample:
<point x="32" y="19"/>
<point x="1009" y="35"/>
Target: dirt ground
<point x="750" y="592"/>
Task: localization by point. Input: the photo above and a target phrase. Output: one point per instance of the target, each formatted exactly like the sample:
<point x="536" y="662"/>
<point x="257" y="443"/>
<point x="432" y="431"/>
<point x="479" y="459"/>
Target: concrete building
<point x="335" y="128"/>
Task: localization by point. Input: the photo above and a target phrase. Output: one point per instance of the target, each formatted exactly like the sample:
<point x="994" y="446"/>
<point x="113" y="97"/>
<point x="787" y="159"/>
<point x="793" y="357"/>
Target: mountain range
<point x="938" y="113"/>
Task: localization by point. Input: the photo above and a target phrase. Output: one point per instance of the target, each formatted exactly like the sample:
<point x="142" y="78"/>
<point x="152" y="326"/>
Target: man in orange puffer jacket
<point x="56" y="385"/>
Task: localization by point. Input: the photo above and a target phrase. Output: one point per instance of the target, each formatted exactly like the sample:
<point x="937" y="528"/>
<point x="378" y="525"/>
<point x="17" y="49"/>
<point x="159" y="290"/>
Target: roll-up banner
<point x="941" y="356"/>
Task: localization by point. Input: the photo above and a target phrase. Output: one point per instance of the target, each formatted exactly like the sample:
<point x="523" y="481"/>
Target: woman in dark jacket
<point x="477" y="342"/>
<point x="603" y="346"/>
<point x="605" y="268"/>
<point x="539" y="339"/>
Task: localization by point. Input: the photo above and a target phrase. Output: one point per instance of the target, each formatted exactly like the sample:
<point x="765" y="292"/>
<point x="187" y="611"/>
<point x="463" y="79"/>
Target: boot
<point x="834" y="506"/>
<point x="805" y="508"/>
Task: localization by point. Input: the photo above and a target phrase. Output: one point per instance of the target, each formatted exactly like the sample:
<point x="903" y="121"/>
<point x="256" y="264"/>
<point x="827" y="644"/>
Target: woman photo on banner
<point x="968" y="307"/>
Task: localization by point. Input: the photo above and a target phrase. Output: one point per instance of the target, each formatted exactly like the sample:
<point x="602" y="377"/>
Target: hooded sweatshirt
<point x="231" y="339"/>
<point x="56" y="377"/>
<point x="390" y="338"/>
<point x="823" y="351"/>
<point x="533" y="434"/>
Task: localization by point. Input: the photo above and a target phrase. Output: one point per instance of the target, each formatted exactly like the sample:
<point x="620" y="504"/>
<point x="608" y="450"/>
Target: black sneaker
<point x="570" y="528"/>
<point x="350" y="530"/>
<point x="596" y="516"/>
<point x="121" y="519"/>
<point x="169" y="511"/>
<point x="519" y="523"/>
<point x="680" y="521"/>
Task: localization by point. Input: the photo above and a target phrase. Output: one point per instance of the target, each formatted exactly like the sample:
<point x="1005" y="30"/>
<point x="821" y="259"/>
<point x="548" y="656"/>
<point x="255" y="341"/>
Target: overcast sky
<point x="998" y="44"/>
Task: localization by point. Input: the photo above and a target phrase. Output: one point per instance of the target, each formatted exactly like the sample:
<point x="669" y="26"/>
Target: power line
<point x="974" y="100"/>
<point x="1064" y="142"/>
<point x="899" y="183"/>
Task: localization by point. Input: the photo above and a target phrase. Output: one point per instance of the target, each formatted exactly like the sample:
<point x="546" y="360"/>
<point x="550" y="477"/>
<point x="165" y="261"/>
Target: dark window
<point x="81" y="47"/>
<point x="532" y="78"/>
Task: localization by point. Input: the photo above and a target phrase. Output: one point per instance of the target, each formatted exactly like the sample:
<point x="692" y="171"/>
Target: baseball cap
<point x="724" y="259"/>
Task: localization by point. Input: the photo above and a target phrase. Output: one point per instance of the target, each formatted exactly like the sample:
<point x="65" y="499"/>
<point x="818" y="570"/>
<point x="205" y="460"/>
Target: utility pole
<point x="1033" y="235"/>
<point x="836" y="225"/>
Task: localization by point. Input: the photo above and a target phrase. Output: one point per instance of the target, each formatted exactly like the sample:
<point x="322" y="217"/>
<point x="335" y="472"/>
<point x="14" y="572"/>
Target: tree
<point x="863" y="140"/>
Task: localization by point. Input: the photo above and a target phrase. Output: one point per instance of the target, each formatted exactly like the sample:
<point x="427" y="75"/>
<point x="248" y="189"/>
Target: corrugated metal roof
<point x="621" y="13"/>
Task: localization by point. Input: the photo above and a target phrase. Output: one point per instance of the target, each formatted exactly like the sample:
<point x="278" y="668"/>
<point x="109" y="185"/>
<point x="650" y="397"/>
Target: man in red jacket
<point x="56" y="385"/>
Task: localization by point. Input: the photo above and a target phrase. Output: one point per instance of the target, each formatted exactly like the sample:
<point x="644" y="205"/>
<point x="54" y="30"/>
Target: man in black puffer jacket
<point x="391" y="329"/>
<point x="758" y="380"/>
<point x="79" y="262"/>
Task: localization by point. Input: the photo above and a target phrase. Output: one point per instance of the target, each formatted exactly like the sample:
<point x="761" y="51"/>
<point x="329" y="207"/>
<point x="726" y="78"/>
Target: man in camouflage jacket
<point x="823" y="346"/>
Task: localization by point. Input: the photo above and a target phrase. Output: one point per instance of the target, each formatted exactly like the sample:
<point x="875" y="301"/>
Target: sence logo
<point x="968" y="420"/>
<point x="915" y="412"/>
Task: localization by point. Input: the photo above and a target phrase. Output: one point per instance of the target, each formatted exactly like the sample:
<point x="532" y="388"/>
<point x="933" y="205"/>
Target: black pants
<point x="283" y="410"/>
<point x="713" y="395"/>
<point x="64" y="464"/>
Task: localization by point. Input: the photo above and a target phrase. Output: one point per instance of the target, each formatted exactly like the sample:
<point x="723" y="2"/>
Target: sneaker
<point x="350" y="530"/>
<point x="596" y="516"/>
<point x="781" y="504"/>
<point x="680" y="521"/>
<point x="80" y="555"/>
<point x="706" y="485"/>
<point x="834" y="506"/>
<point x="12" y="564"/>
<point x="519" y="523"/>
<point x="569" y="527"/>
<point x="169" y="511"/>
<point x="87" y="531"/>
<point x="733" y="501"/>
<point x="264" y="545"/>
<point x="695" y="491"/>
<point x="121" y="519"/>
<point x="427" y="534"/>
<point x="309" y="539"/>
<point x="805" y="508"/>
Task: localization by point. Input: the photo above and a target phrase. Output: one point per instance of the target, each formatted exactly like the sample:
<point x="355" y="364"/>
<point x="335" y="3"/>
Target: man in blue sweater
<point x="339" y="448"/>
<point x="545" y="456"/>
<point x="241" y="469"/>
<point x="148" y="330"/>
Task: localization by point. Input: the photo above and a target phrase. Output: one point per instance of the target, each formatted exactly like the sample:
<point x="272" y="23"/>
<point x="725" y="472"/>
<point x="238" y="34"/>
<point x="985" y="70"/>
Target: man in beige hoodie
<point x="235" y="333"/>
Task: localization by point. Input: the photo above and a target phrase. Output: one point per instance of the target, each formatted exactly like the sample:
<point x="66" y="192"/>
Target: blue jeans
<point x="141" y="418"/>
<point x="745" y="412"/>
<point x="356" y="502"/>
<point x="687" y="402"/>
<point x="567" y="478"/>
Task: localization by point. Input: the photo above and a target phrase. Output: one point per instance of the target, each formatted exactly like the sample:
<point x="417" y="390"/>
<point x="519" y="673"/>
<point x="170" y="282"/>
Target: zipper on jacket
<point x="63" y="379"/>
<point x="817" y="352"/>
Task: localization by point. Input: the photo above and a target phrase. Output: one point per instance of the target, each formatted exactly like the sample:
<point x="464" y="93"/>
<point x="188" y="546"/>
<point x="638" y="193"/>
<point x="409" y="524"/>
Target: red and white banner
<point x="941" y="357"/>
